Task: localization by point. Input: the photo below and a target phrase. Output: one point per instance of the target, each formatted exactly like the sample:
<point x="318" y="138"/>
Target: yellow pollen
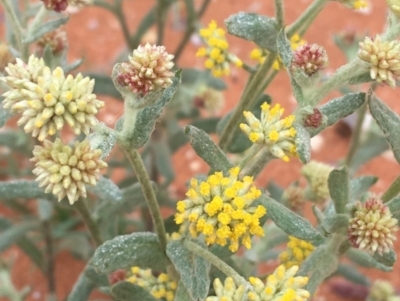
<point x="273" y="136"/>
<point x="48" y="98"/>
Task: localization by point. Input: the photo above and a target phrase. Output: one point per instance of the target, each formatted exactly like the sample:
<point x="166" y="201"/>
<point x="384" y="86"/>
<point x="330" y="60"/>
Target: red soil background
<point x="95" y="34"/>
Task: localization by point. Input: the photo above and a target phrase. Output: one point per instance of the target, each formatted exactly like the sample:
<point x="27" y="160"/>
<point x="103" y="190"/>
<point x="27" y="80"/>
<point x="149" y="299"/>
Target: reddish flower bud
<point x="310" y="58"/>
<point x="56" y="5"/>
<point x="117" y="276"/>
<point x="314" y="120"/>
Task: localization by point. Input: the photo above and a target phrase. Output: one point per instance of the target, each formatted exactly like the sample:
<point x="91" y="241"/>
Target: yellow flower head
<point x="216" y="52"/>
<point x="276" y="133"/>
<point x="161" y="287"/>
<point x="297" y="251"/>
<point x="222" y="209"/>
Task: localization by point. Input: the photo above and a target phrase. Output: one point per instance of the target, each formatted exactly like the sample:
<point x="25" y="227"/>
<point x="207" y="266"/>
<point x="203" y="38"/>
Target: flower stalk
<point x="393" y="190"/>
<point x="92" y="226"/>
<point x="279" y="13"/>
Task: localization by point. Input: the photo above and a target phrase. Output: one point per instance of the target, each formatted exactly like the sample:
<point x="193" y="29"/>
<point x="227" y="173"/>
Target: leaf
<point x="338" y="108"/>
<point x="275" y="191"/>
<point x="206" y="149"/>
<point x="102" y="138"/>
<point x="297" y="91"/>
<point x="290" y="222"/>
<point x="140" y="249"/>
<point x="71" y="67"/>
<point x="106" y="189"/>
<point x="352" y="274"/>
<point x="261" y="30"/>
<point x="284" y="48"/>
<point x="182" y="293"/>
<point x="15" y="232"/>
<point x="360" y="185"/>
<point x="4" y="116"/>
<point x="35" y="34"/>
<point x="365" y="260"/>
<point x="336" y="223"/>
<point x="127" y="291"/>
<point x="148" y="116"/>
<point x="372" y="146"/>
<point x="360" y="79"/>
<point x="97" y="279"/>
<point x="388" y="259"/>
<point x="303" y="143"/>
<point x="45" y="209"/>
<point x="82" y="288"/>
<point x="193" y="269"/>
<point x="104" y="85"/>
<point x="394" y="205"/>
<point x="389" y="122"/>
<point x="338" y="183"/>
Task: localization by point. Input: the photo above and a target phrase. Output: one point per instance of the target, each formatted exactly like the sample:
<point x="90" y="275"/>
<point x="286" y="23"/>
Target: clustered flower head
<point x="310" y="58"/>
<point x="61" y="5"/>
<point x="216" y="52"/>
<point x="297" y="251"/>
<point x="47" y="99"/>
<point x="148" y="70"/>
<point x="382" y="291"/>
<point x="276" y="133"/>
<point x="293" y="198"/>
<point x="161" y="287"/>
<point x="383" y="58"/>
<point x="317" y="175"/>
<point x="372" y="227"/>
<point x="56" y="40"/>
<point x="281" y="285"/>
<point x="222" y="209"/>
<point x="260" y="55"/>
<point x="65" y="170"/>
<point x="314" y="120"/>
<point x="209" y="99"/>
<point x="5" y="56"/>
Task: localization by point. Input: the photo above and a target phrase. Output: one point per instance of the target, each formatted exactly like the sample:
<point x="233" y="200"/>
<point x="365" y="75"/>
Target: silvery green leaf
<point x="71" y="67"/>
<point x="297" y="91"/>
<point x="14" y="233"/>
<point x="206" y="149"/>
<point x="25" y="189"/>
<point x="338" y="108"/>
<point x="303" y="143"/>
<point x="319" y="265"/>
<point x="360" y="79"/>
<point x="106" y="189"/>
<point x="97" y="279"/>
<point x="360" y="185"/>
<point x="290" y="222"/>
<point x="35" y="34"/>
<point x="4" y="115"/>
<point x="261" y="30"/>
<point x="104" y="85"/>
<point x="338" y="184"/>
<point x="102" y="138"/>
<point x="194" y="270"/>
<point x="49" y="58"/>
<point x="140" y="249"/>
<point x="127" y="291"/>
<point x="389" y="122"/>
<point x="394" y="205"/>
<point x="336" y="223"/>
<point x="147" y="117"/>
<point x="351" y="273"/>
<point x="182" y="293"/>
<point x="284" y="48"/>
<point x="365" y="260"/>
<point x="82" y="288"/>
<point x="45" y="209"/>
<point x="388" y="259"/>
<point x="275" y="191"/>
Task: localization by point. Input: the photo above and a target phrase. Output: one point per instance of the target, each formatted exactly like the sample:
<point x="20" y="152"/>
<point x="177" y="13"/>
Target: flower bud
<point x="317" y="175"/>
<point x="314" y="120"/>
<point x="5" y="56"/>
<point x="56" y="40"/>
<point x="209" y="99"/>
<point x="372" y="227"/>
<point x="310" y="58"/>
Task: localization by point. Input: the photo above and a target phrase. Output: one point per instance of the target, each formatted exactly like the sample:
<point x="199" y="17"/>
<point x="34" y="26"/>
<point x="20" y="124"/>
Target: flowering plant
<point x="226" y="224"/>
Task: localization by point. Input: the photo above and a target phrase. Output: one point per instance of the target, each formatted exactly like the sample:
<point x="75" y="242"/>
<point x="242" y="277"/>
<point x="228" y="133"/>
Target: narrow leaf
<point x="337" y="223"/>
<point x="388" y="259"/>
<point x="127" y="291"/>
<point x="193" y="269"/>
<point x="338" y="184"/>
<point x="389" y="122"/>
<point x="82" y="288"/>
<point x="36" y="33"/>
<point x="261" y="30"/>
<point x="4" y="116"/>
<point x="206" y="149"/>
<point x="106" y="190"/>
<point x="352" y="274"/>
<point x="394" y="205"/>
<point x="284" y="48"/>
<point x="182" y="293"/>
<point x="365" y="260"/>
<point x="303" y="143"/>
<point x="21" y="189"/>
<point x="360" y="185"/>
<point x="140" y="249"/>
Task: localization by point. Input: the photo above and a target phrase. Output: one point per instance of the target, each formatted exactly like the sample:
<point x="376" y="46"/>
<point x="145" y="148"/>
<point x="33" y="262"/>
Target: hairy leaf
<point x="338" y="183"/>
<point x="303" y="143"/>
<point x="365" y="260"/>
<point x="182" y="293"/>
<point x="360" y="185"/>
<point x="351" y="273"/>
<point x="106" y="190"/>
<point x="127" y="291"/>
<point x="35" y="34"/>
<point x="284" y="48"/>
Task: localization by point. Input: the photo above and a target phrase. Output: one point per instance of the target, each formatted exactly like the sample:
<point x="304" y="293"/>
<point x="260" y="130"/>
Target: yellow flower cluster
<point x="222" y="209"/>
<point x="162" y="287"/>
<point x="360" y="4"/>
<point x="260" y="55"/>
<point x="297" y="251"/>
<point x="276" y="133"/>
<point x="317" y="175"/>
<point x="281" y="285"/>
<point x="216" y="52"/>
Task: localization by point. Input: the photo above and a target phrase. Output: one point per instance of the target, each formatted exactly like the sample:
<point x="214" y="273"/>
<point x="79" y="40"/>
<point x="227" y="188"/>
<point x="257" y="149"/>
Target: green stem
<point x="251" y="153"/>
<point x="311" y="11"/>
<point x="248" y="97"/>
<point x="49" y="261"/>
<point x="258" y="164"/>
<point x="248" y="68"/>
<point x="119" y="13"/>
<point x="190" y="28"/>
<point x="355" y="138"/>
<point x="83" y="209"/>
<point x="140" y="170"/>
<point x="162" y="9"/>
<point x="279" y="13"/>
<point x="18" y="30"/>
<point x="218" y="263"/>
<point x="392" y="191"/>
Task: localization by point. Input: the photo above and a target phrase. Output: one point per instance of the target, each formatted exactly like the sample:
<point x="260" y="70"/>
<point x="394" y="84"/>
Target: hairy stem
<point x="190" y="28"/>
<point x="392" y="191"/>
<point x="279" y="13"/>
<point x="355" y="138"/>
<point x="18" y="30"/>
<point x="251" y="153"/>
<point x="248" y="97"/>
<point x="258" y="164"/>
<point x="218" y="263"/>
<point x="50" y="261"/>
<point x="137" y="163"/>
<point x="93" y="228"/>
